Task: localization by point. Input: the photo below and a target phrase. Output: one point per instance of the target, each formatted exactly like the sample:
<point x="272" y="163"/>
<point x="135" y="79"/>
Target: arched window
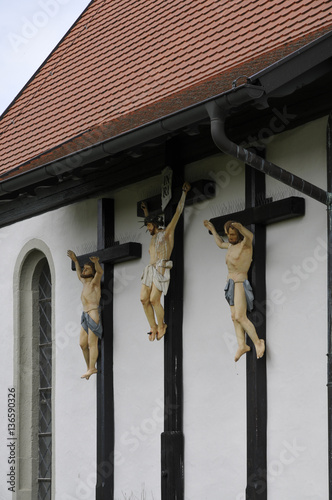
<point x="45" y="385"/>
<point x="34" y="372"/>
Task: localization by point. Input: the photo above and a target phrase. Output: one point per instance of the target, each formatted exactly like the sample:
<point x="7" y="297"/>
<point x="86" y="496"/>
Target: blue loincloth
<point x="88" y="323"/>
<point x="229" y="293"/>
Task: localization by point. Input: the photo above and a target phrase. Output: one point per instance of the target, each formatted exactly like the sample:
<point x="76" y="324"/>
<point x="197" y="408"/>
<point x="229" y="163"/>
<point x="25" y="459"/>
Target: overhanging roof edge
<point x="228" y="100"/>
<point x="321" y="48"/>
<point x="131" y="138"/>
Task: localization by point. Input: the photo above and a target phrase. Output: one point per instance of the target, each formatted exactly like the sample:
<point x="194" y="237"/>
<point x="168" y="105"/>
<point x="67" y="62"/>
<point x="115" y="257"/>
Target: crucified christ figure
<point x="91" y="327"/>
<point x="238" y="291"/>
<point x="156" y="276"/>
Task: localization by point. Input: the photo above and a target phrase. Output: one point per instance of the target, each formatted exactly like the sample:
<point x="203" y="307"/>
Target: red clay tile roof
<point x="125" y="63"/>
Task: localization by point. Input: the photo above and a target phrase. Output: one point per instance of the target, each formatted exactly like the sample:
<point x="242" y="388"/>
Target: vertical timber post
<point x="329" y="296"/>
<point x="256" y="369"/>
<point x="172" y="439"/>
<point x="105" y="391"/>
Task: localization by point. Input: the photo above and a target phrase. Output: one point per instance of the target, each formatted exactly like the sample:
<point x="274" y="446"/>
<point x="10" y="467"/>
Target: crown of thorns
<point x="158" y="220"/>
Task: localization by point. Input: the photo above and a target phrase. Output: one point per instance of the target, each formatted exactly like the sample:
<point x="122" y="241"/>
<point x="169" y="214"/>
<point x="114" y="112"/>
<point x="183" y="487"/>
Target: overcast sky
<point x="29" y="31"/>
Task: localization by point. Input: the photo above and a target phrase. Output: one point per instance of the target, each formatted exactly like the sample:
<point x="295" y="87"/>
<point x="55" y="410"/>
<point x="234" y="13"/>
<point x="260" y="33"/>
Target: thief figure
<point x="91" y="328"/>
<point x="238" y="291"/>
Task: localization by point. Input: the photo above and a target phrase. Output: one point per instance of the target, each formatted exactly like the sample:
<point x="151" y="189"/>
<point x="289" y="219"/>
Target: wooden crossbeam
<point x="269" y="213"/>
<point x="114" y="254"/>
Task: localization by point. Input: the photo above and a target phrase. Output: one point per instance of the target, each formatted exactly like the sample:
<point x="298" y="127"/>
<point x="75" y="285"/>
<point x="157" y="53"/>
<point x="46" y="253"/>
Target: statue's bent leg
<point x="84" y="345"/>
<point x="240" y="337"/>
<point x="148" y="309"/>
<point x="240" y="315"/>
<point x="159" y="310"/>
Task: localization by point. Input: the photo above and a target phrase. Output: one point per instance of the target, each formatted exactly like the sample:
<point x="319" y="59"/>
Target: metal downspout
<point x="217" y="117"/>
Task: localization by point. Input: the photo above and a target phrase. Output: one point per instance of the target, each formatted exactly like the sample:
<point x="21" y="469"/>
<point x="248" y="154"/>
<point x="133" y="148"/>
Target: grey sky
<point x="29" y="31"/>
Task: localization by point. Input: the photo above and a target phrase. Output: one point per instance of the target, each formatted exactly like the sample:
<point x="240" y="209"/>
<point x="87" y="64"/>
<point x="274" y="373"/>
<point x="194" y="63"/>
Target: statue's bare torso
<point x="161" y="246"/>
<point x="238" y="261"/>
<point x="90" y="296"/>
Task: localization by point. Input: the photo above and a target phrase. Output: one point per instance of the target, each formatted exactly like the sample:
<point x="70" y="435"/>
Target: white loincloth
<point x="151" y="274"/>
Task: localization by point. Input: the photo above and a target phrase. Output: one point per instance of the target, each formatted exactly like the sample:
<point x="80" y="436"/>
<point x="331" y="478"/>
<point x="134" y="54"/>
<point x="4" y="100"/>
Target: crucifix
<point x="259" y="213"/>
<point x="109" y="253"/>
<point x="172" y="439"/>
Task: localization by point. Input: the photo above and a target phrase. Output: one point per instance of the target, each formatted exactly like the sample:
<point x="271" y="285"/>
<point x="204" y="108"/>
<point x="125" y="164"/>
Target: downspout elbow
<point x="218" y="133"/>
<point x="217" y="122"/>
<point x="221" y="140"/>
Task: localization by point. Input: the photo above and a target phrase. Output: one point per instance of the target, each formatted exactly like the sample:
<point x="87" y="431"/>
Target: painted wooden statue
<point x="91" y="327"/>
<point x="238" y="291"/>
<point x="156" y="275"/>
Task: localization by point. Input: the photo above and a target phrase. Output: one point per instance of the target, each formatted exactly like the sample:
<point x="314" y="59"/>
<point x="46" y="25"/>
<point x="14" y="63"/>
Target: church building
<point x="137" y="100"/>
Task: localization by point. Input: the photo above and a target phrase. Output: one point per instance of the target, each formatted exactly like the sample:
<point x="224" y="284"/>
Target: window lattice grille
<point x="45" y="385"/>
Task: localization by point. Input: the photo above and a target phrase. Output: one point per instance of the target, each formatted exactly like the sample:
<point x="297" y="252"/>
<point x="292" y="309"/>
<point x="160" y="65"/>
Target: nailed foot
<point x="161" y="331"/>
<point x="241" y="351"/>
<point x="260" y="348"/>
<point x="88" y="374"/>
<point x="152" y="334"/>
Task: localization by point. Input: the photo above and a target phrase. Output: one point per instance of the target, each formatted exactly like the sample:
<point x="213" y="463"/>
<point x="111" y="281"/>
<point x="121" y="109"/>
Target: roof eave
<point x="281" y="77"/>
<point x="164" y="126"/>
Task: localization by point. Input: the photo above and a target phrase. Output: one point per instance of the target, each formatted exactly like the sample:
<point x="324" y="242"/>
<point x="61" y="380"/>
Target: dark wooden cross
<point x="109" y="253"/>
<point x="172" y="439"/>
<point x="259" y="213"/>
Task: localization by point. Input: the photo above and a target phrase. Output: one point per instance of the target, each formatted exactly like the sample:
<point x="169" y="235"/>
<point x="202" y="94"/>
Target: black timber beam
<point x="256" y="369"/>
<point x="105" y="376"/>
<point x="269" y="213"/>
<point x="172" y="439"/>
<point x="115" y="254"/>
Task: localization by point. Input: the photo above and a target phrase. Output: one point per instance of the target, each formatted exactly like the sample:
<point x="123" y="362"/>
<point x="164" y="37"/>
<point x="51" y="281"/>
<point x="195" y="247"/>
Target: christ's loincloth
<point x="151" y="274"/>
<point x="229" y="293"/>
<point x="88" y="323"/>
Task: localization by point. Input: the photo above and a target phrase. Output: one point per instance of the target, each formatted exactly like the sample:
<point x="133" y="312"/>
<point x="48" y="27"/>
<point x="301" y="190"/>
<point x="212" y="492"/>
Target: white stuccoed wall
<point x="75" y="401"/>
<point x="297" y="329"/>
<point x="214" y="387"/>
